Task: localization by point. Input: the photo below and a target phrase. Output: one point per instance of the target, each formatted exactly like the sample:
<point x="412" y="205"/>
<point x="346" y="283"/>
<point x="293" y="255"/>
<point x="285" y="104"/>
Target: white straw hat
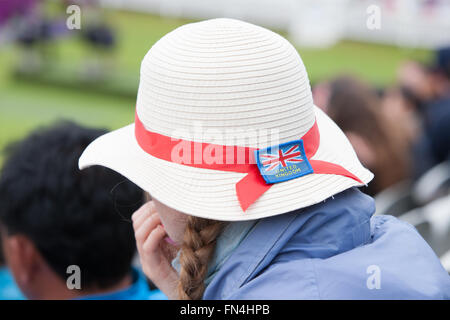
<point x="211" y="82"/>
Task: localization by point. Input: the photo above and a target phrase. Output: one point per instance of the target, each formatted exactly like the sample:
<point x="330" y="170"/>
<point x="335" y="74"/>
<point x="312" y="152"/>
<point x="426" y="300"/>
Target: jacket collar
<point x="336" y="225"/>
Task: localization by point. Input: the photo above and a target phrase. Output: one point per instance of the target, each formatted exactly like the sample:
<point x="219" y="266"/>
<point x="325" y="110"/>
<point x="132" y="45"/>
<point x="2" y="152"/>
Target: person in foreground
<point x="66" y="234"/>
<point x="254" y="189"/>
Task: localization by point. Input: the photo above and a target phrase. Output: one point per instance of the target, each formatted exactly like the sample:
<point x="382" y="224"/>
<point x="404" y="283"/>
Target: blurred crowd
<point x="402" y="134"/>
<point x="34" y="25"/>
<point x="401" y="131"/>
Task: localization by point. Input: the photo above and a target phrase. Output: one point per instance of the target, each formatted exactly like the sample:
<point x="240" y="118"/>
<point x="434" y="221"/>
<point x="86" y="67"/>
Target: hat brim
<point x="211" y="194"/>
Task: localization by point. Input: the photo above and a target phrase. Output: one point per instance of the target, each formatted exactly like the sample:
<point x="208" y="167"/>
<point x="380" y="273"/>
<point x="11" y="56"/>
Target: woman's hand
<point x="153" y="251"/>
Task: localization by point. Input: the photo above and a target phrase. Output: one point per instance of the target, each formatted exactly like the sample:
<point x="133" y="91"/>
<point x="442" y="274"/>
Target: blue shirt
<point x="8" y="287"/>
<point x="332" y="250"/>
<point x="138" y="290"/>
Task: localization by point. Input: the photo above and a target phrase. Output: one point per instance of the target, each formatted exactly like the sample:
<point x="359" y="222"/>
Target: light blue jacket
<point x="332" y="250"/>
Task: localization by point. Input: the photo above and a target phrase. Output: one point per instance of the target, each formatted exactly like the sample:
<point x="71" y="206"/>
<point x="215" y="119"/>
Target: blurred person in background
<point x="380" y="145"/>
<point x="400" y="106"/>
<point x="13" y="10"/>
<point x="54" y="216"/>
<point x="100" y="40"/>
<point x="33" y="30"/>
<point x="426" y="91"/>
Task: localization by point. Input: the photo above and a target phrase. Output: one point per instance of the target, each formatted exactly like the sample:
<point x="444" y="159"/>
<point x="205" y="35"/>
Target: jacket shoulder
<point x="396" y="264"/>
<point x="282" y="281"/>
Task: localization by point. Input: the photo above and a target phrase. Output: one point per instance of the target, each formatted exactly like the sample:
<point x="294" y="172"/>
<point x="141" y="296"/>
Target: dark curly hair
<point x="73" y="217"/>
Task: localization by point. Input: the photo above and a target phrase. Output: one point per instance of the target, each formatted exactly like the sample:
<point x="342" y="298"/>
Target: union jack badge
<point x="283" y="162"/>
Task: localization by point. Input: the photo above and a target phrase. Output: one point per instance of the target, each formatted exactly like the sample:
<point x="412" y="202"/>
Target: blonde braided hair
<point x="196" y="251"/>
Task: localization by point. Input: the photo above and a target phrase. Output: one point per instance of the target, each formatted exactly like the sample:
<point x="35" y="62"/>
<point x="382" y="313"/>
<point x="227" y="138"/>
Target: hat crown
<point x="225" y="76"/>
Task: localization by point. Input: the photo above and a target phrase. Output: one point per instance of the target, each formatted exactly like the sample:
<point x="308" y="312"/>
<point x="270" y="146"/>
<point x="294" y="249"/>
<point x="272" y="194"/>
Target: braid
<point x="197" y="249"/>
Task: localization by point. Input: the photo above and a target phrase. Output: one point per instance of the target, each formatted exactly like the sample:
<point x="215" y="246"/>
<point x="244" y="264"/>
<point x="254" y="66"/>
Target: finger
<point x="144" y="208"/>
<point x="142" y="211"/>
<point x="147" y="226"/>
<point x="142" y="214"/>
<point x="151" y="245"/>
<point x="143" y="218"/>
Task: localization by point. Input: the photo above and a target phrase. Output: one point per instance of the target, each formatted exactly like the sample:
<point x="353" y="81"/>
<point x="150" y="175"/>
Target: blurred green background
<point x="26" y="103"/>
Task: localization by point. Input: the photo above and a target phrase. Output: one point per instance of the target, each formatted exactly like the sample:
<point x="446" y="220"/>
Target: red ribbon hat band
<point x="250" y="187"/>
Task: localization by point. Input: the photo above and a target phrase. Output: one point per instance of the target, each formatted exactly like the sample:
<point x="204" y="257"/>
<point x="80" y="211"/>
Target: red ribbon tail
<point x="250" y="188"/>
<point x="253" y="185"/>
<point x="323" y="167"/>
